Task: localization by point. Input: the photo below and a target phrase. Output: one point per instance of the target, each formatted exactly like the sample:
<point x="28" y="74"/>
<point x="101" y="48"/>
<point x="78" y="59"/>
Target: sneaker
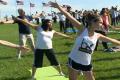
<point x="109" y="50"/>
<point x="33" y="78"/>
<point x="62" y="74"/>
<point x="81" y="73"/>
<point x="19" y="56"/>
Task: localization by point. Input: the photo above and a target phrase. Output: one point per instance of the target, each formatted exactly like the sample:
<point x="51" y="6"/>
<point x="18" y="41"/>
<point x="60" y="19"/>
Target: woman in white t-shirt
<point x="80" y="56"/>
<point x="44" y="44"/>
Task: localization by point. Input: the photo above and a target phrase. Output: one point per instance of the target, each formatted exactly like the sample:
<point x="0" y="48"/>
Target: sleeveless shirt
<point x="83" y="48"/>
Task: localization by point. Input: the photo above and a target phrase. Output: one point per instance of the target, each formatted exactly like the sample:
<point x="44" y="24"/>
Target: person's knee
<point x="88" y="75"/>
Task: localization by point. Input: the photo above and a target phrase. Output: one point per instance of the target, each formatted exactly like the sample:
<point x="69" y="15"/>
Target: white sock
<point x="19" y="56"/>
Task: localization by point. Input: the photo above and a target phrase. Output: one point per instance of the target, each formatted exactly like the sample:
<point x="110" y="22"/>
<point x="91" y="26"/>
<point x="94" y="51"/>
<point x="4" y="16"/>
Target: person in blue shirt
<point x="24" y="31"/>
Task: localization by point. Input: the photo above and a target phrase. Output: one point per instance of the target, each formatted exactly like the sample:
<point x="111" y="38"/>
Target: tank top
<point x="44" y="39"/>
<point x="83" y="48"/>
<point x="105" y="22"/>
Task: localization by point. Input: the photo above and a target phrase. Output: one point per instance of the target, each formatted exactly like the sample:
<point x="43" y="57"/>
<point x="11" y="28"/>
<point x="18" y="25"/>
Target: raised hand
<point x="24" y="48"/>
<point x="53" y="4"/>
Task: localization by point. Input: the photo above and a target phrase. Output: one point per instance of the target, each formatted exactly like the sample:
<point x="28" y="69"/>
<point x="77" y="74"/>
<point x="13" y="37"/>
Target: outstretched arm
<point x="115" y="27"/>
<point x="37" y="15"/>
<point x="12" y="45"/>
<point x="26" y="22"/>
<point x="63" y="35"/>
<point x="107" y="39"/>
<point x="7" y="22"/>
<point x="76" y="23"/>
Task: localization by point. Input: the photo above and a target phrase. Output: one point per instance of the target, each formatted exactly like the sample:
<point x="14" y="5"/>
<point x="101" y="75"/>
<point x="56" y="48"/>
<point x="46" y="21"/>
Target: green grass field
<point x="106" y="66"/>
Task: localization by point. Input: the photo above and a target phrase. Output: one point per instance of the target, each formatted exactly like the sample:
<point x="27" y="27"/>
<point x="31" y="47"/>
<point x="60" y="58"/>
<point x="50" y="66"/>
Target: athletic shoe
<point x="109" y="50"/>
<point x="62" y="74"/>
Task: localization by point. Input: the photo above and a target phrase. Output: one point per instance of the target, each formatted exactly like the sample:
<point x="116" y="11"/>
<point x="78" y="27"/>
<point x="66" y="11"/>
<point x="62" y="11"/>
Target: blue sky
<point x="11" y="8"/>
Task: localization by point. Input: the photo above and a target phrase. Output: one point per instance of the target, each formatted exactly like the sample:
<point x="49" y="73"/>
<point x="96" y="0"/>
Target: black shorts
<point x="38" y="57"/>
<point x="79" y="67"/>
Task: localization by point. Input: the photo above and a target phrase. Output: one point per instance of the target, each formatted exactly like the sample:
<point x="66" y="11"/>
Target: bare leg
<point x="31" y="41"/>
<point x="22" y="42"/>
<point x="33" y="72"/>
<point x="19" y="54"/>
<point x="73" y="74"/>
<point x="59" y="70"/>
<point x="88" y="75"/>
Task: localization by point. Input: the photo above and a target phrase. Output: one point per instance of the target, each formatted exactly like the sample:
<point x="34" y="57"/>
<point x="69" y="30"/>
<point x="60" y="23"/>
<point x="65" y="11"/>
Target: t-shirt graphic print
<point x="86" y="46"/>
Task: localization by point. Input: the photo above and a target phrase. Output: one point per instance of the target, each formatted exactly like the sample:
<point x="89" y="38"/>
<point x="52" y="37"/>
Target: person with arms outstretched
<point x="24" y="31"/>
<point x="43" y="44"/>
<point x="79" y="58"/>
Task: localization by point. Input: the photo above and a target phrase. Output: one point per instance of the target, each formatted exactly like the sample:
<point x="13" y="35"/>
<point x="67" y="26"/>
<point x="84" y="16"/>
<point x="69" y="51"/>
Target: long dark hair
<point x="103" y="11"/>
<point x="45" y="26"/>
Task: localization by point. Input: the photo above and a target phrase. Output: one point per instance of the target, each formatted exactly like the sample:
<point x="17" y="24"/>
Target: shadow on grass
<point x="20" y="78"/>
<point x="68" y="44"/>
<point x="15" y="57"/>
<point x="8" y="57"/>
<point x="114" y="77"/>
<point x="61" y="53"/>
<point x="106" y="59"/>
<point x="107" y="70"/>
<point x="113" y="33"/>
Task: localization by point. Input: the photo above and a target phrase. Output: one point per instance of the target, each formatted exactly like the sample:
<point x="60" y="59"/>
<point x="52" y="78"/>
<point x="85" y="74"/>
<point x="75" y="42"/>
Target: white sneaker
<point x="33" y="78"/>
<point x="62" y="74"/>
<point x="19" y="56"/>
<point x="81" y="73"/>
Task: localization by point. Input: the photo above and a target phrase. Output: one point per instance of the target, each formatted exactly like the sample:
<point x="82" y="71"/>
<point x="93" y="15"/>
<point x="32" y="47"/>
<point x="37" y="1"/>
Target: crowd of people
<point x="89" y="26"/>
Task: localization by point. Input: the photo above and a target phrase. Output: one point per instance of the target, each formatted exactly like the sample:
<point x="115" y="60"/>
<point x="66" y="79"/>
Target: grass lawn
<point x="106" y="66"/>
